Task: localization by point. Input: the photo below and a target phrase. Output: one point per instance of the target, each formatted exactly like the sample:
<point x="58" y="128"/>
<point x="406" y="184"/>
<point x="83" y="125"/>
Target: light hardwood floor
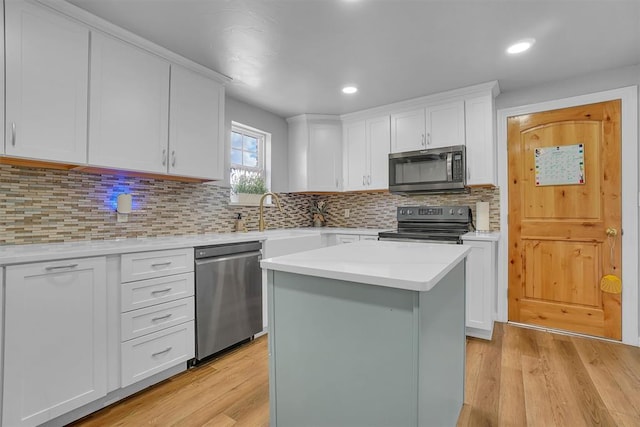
<point x="523" y="377"/>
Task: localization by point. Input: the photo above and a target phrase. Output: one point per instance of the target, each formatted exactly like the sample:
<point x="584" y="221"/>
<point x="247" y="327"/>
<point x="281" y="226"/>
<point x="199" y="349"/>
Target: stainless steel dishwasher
<point x="228" y="295"/>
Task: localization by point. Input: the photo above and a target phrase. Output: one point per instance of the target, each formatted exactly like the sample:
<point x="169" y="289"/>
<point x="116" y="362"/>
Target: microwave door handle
<point x="449" y="167"/>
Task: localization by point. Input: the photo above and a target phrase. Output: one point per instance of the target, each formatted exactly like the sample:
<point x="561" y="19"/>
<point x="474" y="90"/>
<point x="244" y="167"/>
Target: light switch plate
<point x="346" y="213"/>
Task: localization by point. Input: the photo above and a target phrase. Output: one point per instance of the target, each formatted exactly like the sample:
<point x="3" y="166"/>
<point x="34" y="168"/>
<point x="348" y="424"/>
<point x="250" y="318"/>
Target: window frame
<point x="261" y="139"/>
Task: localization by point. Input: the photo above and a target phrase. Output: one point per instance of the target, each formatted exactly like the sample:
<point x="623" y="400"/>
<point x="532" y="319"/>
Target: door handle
<point x="611" y="232"/>
<point x="423" y="140"/>
<point x="429" y="138"/>
<point x="13" y="134"/>
<point x="164" y="157"/>
<point x="173" y="159"/>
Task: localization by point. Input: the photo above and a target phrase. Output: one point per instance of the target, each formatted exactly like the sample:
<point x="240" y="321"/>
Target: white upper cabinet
<point x="355" y="158"/>
<point x="481" y="147"/>
<point x="408" y="131"/>
<point x="445" y="124"/>
<point x="366" y="154"/>
<point x="434" y="126"/>
<point x="129" y="120"/>
<point x="315" y="153"/>
<point x="196" y="141"/>
<point x="47" y="75"/>
<point x="378" y="146"/>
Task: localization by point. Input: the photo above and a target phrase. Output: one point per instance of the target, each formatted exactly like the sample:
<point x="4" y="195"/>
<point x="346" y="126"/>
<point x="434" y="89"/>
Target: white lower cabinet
<point x="153" y="353"/>
<point x="339" y="239"/>
<point x="157" y="313"/>
<point x="55" y="339"/>
<point x="481" y="288"/>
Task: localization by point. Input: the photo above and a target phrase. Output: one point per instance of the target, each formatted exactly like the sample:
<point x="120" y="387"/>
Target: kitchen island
<point x="367" y="334"/>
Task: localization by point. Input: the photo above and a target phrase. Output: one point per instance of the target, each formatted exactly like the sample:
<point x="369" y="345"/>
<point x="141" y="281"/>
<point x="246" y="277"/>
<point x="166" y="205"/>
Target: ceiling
<point x="293" y="56"/>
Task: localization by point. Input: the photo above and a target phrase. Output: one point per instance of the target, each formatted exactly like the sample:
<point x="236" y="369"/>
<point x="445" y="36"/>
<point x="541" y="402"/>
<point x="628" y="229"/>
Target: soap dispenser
<point x="240" y="227"/>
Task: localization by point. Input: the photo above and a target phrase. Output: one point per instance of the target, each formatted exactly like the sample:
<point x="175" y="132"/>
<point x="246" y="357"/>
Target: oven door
<point x="425" y="171"/>
<point x="394" y="236"/>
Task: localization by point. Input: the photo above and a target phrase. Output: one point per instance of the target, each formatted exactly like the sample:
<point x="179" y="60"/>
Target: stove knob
<point x="409" y="212"/>
<point x="460" y="211"/>
<point x="451" y="211"/>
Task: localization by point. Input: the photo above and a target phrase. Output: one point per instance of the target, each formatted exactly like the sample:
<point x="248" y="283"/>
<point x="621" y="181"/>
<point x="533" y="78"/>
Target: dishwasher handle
<point x="204" y="261"/>
<point x="226" y="249"/>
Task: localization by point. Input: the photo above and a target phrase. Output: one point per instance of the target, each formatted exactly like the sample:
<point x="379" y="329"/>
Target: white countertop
<point x="482" y="236"/>
<point x="18" y="254"/>
<point x="403" y="265"/>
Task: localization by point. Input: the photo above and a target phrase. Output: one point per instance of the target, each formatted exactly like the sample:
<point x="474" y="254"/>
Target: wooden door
<point x="558" y="244"/>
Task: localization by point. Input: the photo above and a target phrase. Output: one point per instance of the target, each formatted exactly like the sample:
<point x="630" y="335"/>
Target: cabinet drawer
<point x="147" y="265"/>
<point x="141" y="322"/>
<point x="153" y="353"/>
<point x="145" y="293"/>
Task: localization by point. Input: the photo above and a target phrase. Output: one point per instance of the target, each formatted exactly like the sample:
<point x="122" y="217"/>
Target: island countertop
<point x="403" y="265"/>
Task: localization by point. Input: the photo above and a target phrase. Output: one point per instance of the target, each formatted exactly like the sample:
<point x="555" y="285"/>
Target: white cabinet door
<point x="445" y="124"/>
<point x="324" y="157"/>
<point x="481" y="283"/>
<point x="196" y="142"/>
<point x="378" y="145"/>
<point x="46" y="84"/>
<point x="408" y="131"/>
<point x="481" y="152"/>
<point x="355" y="156"/>
<point x="55" y="357"/>
<point x="129" y="107"/>
<point x="346" y="238"/>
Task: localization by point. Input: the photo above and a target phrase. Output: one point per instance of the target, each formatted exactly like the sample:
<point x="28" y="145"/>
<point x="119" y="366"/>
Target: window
<point x="249" y="153"/>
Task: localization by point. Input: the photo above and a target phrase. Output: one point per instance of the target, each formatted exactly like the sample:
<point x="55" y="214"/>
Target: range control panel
<point x="434" y="213"/>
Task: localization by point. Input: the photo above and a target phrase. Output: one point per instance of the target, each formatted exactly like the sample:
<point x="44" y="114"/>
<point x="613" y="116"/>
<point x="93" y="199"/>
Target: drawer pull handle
<point x="58" y="267"/>
<point x="166" y="350"/>
<point x="160" y="291"/>
<point x="166" y="316"/>
<point x="160" y="264"/>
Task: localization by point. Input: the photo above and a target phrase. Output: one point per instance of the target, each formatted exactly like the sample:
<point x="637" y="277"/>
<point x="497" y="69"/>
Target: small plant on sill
<point x="248" y="184"/>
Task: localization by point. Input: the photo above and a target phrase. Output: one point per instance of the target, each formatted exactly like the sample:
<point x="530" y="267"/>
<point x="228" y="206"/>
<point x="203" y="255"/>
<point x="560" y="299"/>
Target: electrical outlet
<point x="346" y="213"/>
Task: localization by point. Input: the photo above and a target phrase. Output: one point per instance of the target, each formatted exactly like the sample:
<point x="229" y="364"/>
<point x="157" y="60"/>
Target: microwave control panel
<point x="457" y="169"/>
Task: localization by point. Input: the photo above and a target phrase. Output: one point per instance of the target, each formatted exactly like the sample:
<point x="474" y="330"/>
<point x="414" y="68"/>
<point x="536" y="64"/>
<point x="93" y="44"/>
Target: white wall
<point x="579" y="85"/>
<point x="575" y="86"/>
<point x="258" y="118"/>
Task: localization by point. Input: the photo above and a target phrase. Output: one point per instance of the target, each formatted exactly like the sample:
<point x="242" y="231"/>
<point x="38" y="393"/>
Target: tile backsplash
<point x="378" y="210"/>
<point x="42" y="205"/>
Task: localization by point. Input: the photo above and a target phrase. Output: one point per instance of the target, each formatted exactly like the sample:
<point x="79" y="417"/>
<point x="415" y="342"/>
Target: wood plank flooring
<point x="523" y="377"/>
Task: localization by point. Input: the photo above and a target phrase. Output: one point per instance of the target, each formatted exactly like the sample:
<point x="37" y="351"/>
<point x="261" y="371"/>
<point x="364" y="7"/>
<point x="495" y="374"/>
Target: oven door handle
<point x="449" y="167"/>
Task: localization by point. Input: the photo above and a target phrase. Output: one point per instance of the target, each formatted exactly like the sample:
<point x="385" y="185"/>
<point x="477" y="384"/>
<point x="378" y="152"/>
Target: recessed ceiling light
<point x="349" y="89"/>
<point x="520" y="46"/>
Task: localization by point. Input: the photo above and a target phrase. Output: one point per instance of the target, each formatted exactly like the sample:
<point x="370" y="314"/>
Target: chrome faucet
<point x="262" y="225"/>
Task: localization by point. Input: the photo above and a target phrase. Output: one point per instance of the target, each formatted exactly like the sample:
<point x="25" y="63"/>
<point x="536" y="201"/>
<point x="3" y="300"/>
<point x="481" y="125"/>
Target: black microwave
<point x="437" y="170"/>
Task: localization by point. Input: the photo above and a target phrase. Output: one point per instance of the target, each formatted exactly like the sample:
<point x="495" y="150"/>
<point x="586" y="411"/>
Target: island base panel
<point x="345" y="353"/>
